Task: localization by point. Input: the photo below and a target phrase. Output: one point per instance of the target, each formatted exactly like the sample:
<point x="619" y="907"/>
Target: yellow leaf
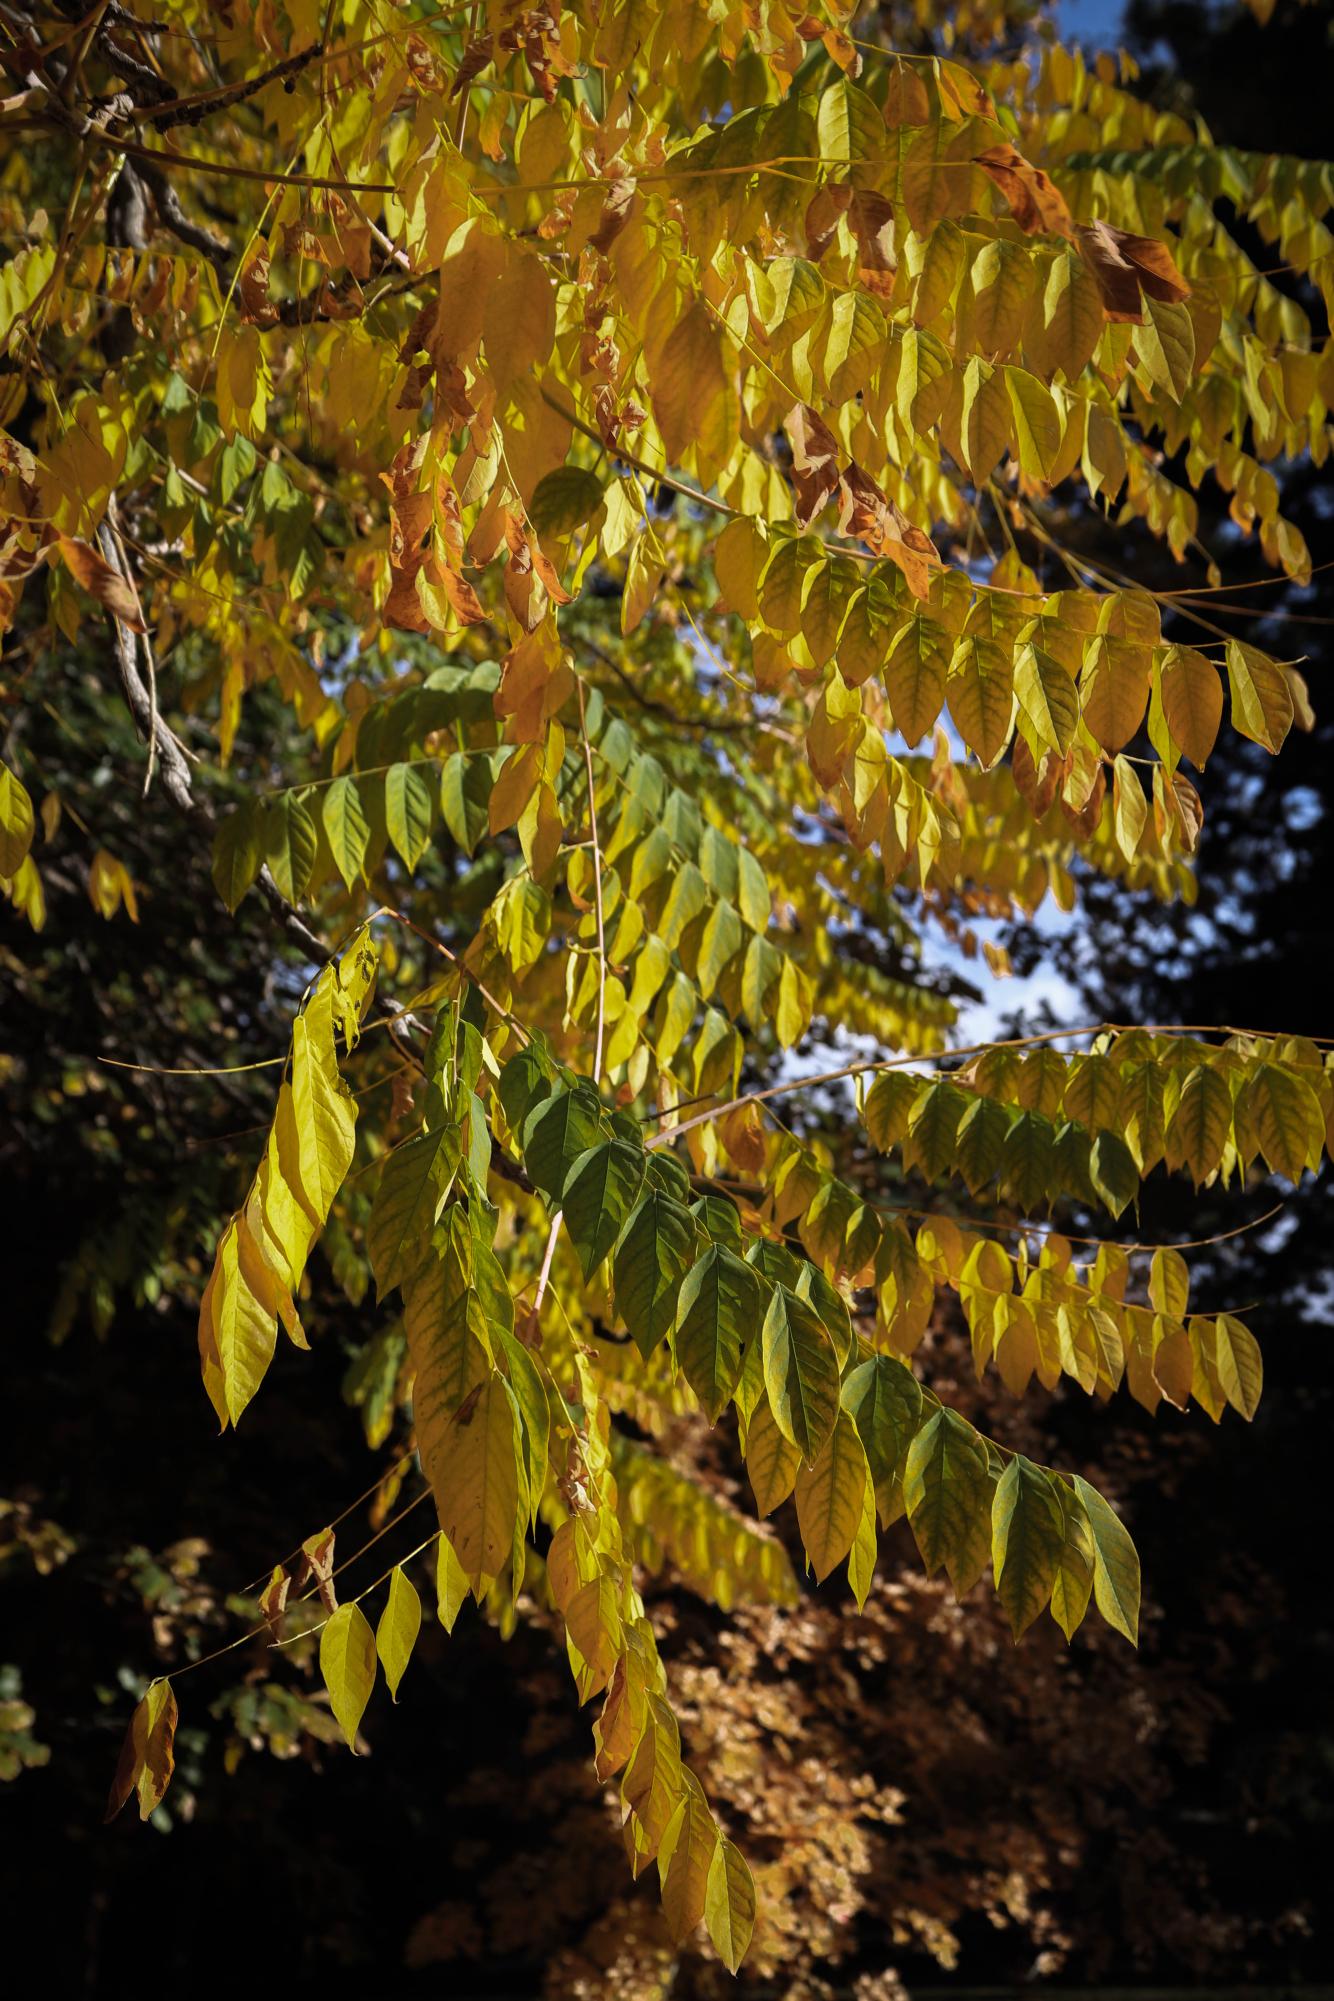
<point x="451" y="1583"/>
<point x="915" y="676"/>
<point x="986" y="424"/>
<point x="1262" y="706"/>
<point x="1047" y="699"/>
<point x="793" y="1010"/>
<point x="771" y="1461"/>
<point x="1192" y="699"/>
<point x="400" y="1623"/>
<point x="830" y="1497"/>
<point x="347" y="1662"/>
<point x="1037" y="424"/>
<point x="1114" y="689"/>
<point x="1130" y="809"/>
<point x="691" y="390"/>
<point x="237" y="1333"/>
<point x="147" y="1757"/>
<point x="999" y="282"/>
<point x="476" y="1481"/>
<point x="1165" y="345"/>
<point x="109" y="886"/>
<point x="980" y="693"/>
<point x="685" y="1858"/>
<point x="1240" y="1368"/>
<point x="1065" y="323"/>
<point x="324" y="1111"/>
<point x="519" y="316"/>
<point x="729" y="1904"/>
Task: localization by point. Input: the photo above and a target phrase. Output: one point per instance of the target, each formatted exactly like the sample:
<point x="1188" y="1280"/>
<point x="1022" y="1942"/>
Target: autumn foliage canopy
<point x="574" y="502"/>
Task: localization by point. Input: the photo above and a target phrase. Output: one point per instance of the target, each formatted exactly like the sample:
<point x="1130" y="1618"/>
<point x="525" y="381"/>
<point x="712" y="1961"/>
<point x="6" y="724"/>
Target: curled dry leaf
<point x="147" y="1756"/>
<point x="1035" y="201"/>
<point x="97" y="577"/>
<point x="1124" y="265"/>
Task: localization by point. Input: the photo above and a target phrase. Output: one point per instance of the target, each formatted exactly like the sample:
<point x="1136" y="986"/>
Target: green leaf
<point x="414" y="1183"/>
<point x="346" y="828"/>
<point x="800" y="1372"/>
<point x="717" y="1314"/>
<point x="407" y="811"/>
<point x="237" y="854"/>
<point x="1115" y="1564"/>
<point x="530" y="1397"/>
<point x="598" y="1196"/>
<point x="981" y="1141"/>
<point x="1202" y="1123"/>
<point x="563" y="500"/>
<point x="1112" y="1171"/>
<point x="947" y="1494"/>
<point x="400" y="1623"/>
<point x="289" y="846"/>
<point x="1287" y="1120"/>
<point x="1027" y="1538"/>
<point x="556" y="1132"/>
<point x="347" y="1662"/>
<point x="465" y="798"/>
<point x="933" y="1128"/>
<point x="1072" y="1586"/>
<point x="884" y="1400"/>
<point x="651" y="1261"/>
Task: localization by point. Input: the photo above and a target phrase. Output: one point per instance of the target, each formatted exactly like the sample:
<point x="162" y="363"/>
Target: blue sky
<point x="1095" y="23"/>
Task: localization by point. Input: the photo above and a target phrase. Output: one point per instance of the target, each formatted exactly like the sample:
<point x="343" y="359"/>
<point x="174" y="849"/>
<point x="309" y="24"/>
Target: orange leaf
<point x="98" y="578"/>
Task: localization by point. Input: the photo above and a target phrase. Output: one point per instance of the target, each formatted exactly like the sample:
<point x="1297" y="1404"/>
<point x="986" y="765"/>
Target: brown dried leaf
<point x="318" y="1550"/>
<point x="1124" y="264"/>
<point x="814" y="461"/>
<point x="1035" y="201"/>
<point x="97" y="577"/>
<point x="147" y="1756"/>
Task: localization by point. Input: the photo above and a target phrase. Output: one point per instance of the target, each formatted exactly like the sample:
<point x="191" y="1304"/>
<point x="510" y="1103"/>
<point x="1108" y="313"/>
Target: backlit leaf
<point x="947" y="1493"/>
<point x="347" y="1662"/>
<point x="800" y="1373"/>
<point x="400" y="1623"/>
<point x="1028" y="1533"/>
<point x="1115" y="1564"/>
<point x="717" y="1315"/>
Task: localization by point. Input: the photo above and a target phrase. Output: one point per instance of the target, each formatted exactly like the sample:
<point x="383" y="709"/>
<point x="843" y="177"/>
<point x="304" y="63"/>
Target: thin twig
<point x="597" y="886"/>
